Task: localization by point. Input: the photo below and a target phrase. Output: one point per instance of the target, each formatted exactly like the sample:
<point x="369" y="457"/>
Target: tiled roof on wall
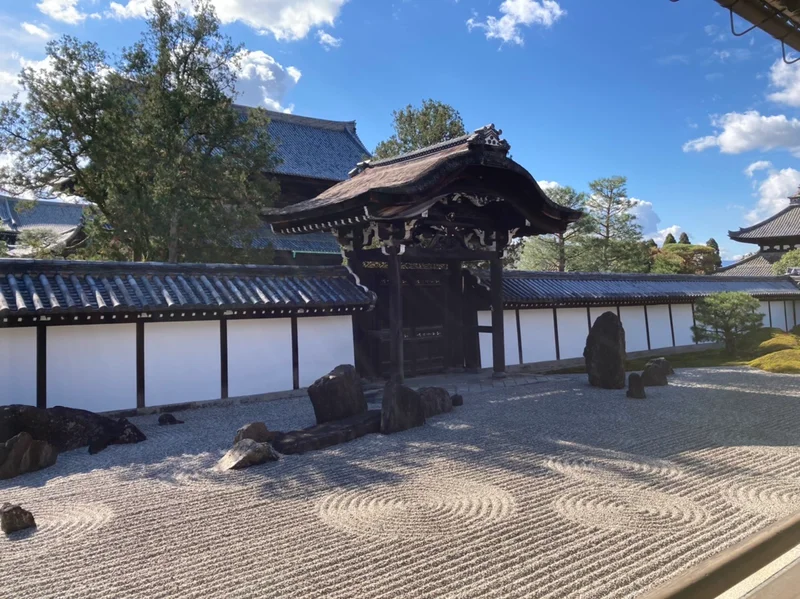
<point x="61" y="219"/>
<point x="756" y="265"/>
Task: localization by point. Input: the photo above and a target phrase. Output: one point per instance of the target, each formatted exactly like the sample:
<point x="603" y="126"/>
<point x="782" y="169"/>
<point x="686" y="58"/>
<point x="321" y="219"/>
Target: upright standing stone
<point x="635" y="387"/>
<point x="605" y="352"/>
<point x="21" y="454"/>
<point x="337" y="395"/>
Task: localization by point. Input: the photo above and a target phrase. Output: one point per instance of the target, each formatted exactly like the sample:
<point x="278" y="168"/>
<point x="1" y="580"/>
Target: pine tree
<point x="670" y="238"/>
<point x="712" y="243"/>
<point x="416" y="128"/>
<point x="684" y="238"/>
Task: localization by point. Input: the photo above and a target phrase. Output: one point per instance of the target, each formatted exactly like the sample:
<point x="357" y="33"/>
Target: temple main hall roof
<point x="784" y="224"/>
<point x="755" y="265"/>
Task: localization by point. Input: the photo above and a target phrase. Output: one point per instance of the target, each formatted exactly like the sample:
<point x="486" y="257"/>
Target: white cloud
<point x="773" y="193"/>
<point x="661" y="234"/>
<point x="327" y="40"/>
<point x="285" y="19"/>
<point x="785" y="78"/>
<point x="545" y="185"/>
<point x="646" y="216"/>
<point x="758" y="165"/>
<point x="743" y="132"/>
<point x="37" y="31"/>
<point x="516" y="14"/>
<point x="65" y="11"/>
<point x="8" y="85"/>
<point x="264" y="81"/>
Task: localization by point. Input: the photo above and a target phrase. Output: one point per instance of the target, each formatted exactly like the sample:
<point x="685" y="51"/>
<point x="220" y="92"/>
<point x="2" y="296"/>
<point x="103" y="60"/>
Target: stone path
<point x="548" y="489"/>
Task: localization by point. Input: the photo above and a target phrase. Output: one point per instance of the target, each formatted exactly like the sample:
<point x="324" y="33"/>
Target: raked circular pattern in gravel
<point x="547" y="490"/>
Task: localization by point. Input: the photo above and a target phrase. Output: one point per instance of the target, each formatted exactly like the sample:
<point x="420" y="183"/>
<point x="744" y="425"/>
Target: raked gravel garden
<point x="550" y="489"/>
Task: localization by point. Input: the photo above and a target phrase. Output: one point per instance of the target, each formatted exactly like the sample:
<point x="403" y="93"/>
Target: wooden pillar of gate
<point x="498" y="336"/>
<point x="395" y="315"/>
<point x="453" y="310"/>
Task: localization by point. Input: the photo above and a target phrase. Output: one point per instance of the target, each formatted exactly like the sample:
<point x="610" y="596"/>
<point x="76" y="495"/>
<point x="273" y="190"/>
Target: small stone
<point x="168" y="419"/>
<point x="435" y="401"/>
<point x="458" y="400"/>
<point x="635" y="387"/>
<point x="257" y="431"/>
<point x="662" y="364"/>
<point x="654" y="376"/>
<point x="247" y="453"/>
<point x="14" y="518"/>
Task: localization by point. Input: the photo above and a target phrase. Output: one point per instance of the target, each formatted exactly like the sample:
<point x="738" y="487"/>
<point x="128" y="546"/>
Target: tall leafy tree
<point x="419" y="127"/>
<point x="790" y="259"/>
<point x="684" y="238"/>
<point x="559" y="251"/>
<point x="153" y="140"/>
<point x="680" y="258"/>
<point x="669" y="239"/>
<point x="712" y="243"/>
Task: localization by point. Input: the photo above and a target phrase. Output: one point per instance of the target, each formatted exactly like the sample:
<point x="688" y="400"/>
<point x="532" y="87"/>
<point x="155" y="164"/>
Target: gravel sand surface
<point x="552" y="489"/>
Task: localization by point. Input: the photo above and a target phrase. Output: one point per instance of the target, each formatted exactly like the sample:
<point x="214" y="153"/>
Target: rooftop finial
<point x="795" y="199"/>
<point x="489" y="136"/>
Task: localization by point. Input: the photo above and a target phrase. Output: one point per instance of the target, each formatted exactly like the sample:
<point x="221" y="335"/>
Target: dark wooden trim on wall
<point x="41" y="366"/>
<point x="671" y="324"/>
<point x="223" y="357"/>
<point x="555" y="333"/>
<point x="647" y="326"/>
<point x="769" y="310"/>
<point x="589" y="318"/>
<point x="295" y="356"/>
<point x="618" y="314"/>
<point x="694" y="323"/>
<point x="785" y="316"/>
<point x="794" y="313"/>
<point x="140" y="364"/>
<point x="498" y="318"/>
<point x="519" y="338"/>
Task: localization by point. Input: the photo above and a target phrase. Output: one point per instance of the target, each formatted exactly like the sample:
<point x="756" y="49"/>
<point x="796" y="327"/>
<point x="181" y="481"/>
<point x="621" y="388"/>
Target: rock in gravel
<point x="14" y="518"/>
<point x="605" y="352"/>
<point x="653" y="376"/>
<point x="247" y="453"/>
<point x="662" y="364"/>
<point x="22" y="453"/>
<point x="168" y="419"/>
<point x="458" y="400"/>
<point x="401" y="408"/>
<point x="435" y="400"/>
<point x="257" y="431"/>
<point x="635" y="387"/>
<point x="66" y="428"/>
<point x="337" y="395"/>
<point x="328" y="434"/>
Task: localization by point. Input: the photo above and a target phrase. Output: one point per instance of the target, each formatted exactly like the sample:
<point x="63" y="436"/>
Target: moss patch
<point x="785" y="361"/>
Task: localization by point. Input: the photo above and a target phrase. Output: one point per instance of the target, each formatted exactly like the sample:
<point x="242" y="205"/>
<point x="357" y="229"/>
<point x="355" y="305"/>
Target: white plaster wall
<point x="792" y="310"/>
<point x="18" y="366"/>
<point x="259" y="356"/>
<point x="182" y="362"/>
<point x="660" y="331"/>
<point x="323" y="343"/>
<point x="779" y="316"/>
<point x="682" y="321"/>
<point x="764" y="309"/>
<point x="485" y="339"/>
<point x="538" y="338"/>
<point x="635" y="332"/>
<point x="510" y="339"/>
<point x="92" y="367"/>
<point x="573" y="328"/>
<point x="597" y="311"/>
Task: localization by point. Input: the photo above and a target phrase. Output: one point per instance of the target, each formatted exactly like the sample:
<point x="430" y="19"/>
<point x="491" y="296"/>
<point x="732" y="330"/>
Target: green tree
<point x="40" y="244"/>
<point x="558" y="251"/>
<point x="712" y="243"/>
<point x="679" y="258"/>
<point x="669" y="239"/>
<point x="651" y="243"/>
<point x="726" y="318"/>
<point x="790" y="259"/>
<point x="416" y="128"/>
<point x="153" y="141"/>
<point x="684" y="239"/>
<point x="616" y="245"/>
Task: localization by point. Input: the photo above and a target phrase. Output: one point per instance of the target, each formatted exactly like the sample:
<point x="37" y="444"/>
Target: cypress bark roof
<point x="784" y="224"/>
<point x="756" y="265"/>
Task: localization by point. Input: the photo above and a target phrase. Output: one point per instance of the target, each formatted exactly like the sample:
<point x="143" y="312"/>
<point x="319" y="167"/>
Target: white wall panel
<point x="597" y="311"/>
<point x="92" y="367"/>
<point x="573" y="328"/>
<point x="485" y="339"/>
<point x="18" y="366"/>
<point x="635" y="332"/>
<point x="682" y="321"/>
<point x="764" y="309"/>
<point x="259" y="356"/>
<point x="779" y="315"/>
<point x="660" y="331"/>
<point x="323" y="343"/>
<point x="791" y="311"/>
<point x="182" y="362"/>
<point x="538" y="338"/>
<point x="510" y="339"/>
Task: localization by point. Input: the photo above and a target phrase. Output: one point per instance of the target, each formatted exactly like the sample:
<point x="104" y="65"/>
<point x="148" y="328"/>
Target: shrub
<point x="767" y="340"/>
<point x="726" y="318"/>
<point x="787" y="261"/>
<point x="785" y="361"/>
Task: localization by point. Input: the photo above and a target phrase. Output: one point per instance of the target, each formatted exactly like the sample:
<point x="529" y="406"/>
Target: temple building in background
<point x="774" y="237"/>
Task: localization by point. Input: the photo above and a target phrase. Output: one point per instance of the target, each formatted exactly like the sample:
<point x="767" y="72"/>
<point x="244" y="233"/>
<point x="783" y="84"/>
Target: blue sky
<point x="704" y="125"/>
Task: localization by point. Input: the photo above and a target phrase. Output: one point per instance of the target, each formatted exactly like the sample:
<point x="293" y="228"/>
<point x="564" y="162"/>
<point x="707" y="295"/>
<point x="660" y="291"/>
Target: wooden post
<point x="555" y="333"/>
<point x="41" y="366"/>
<point x="647" y="326"/>
<point x="671" y="324"/>
<point x="223" y="357"/>
<point x="453" y="298"/>
<point x="472" y="351"/>
<point x="498" y="336"/>
<point x="140" y="364"/>
<point x="395" y="315"/>
<point x="295" y="355"/>
<point x="519" y="338"/>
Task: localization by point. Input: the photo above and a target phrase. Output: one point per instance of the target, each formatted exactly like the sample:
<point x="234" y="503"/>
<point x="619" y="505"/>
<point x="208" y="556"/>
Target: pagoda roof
<point x="406" y="186"/>
<point x="782" y="225"/>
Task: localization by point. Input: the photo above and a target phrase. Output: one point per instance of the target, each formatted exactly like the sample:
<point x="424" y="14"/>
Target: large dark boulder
<point x="635" y="387"/>
<point x="435" y="400"/>
<point x="401" y="408"/>
<point x="653" y="376"/>
<point x="66" y="428"/>
<point x="337" y="395"/>
<point x="22" y="453"/>
<point x="14" y="518"/>
<point x="605" y="352"/>
<point x="328" y="434"/>
<point x="661" y="364"/>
